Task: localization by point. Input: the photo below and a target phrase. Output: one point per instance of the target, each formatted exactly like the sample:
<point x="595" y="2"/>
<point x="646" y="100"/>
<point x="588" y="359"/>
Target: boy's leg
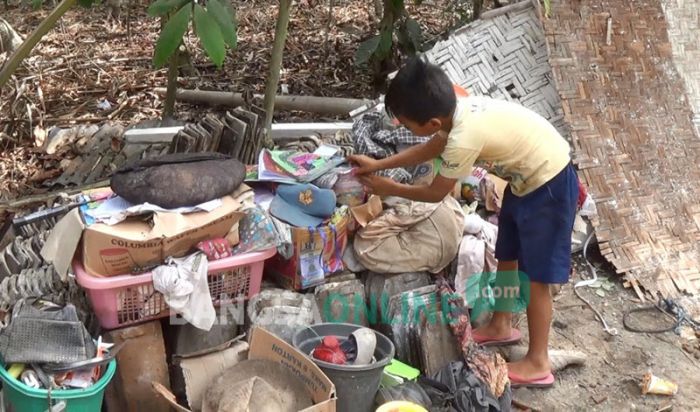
<point x="499" y="327"/>
<point x="545" y="220"/>
<point x="507" y="246"/>
<point x="539" y="317"/>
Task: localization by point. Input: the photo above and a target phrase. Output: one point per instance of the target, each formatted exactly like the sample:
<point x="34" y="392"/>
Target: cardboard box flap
<point x="130" y="229"/>
<point x="168" y="396"/>
<point x="265" y="345"/>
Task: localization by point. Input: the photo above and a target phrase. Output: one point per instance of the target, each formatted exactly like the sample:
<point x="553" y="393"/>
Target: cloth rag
<point x="411" y="237"/>
<point x="476" y="252"/>
<point x="373" y="138"/>
<point x="491" y="368"/>
<point x="183" y="283"/>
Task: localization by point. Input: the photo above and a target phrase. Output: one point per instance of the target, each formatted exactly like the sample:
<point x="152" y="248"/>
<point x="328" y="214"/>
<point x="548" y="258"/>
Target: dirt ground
<point x="91" y="60"/>
<point x="610" y="379"/>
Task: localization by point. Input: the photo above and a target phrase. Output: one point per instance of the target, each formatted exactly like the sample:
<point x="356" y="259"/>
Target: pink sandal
<point x="546" y="381"/>
<point x="514" y="338"/>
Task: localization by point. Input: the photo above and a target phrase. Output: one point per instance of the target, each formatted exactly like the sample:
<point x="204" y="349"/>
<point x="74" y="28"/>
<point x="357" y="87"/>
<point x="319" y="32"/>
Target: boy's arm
<point x="456" y="163"/>
<point x="435" y="192"/>
<point x="412" y="156"/>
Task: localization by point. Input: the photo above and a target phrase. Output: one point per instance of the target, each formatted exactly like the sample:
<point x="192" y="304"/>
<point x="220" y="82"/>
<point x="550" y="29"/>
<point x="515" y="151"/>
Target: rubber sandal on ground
<point x="514" y="338"/>
<point x="516" y="381"/>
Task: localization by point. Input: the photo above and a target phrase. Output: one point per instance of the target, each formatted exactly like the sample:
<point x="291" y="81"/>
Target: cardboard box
<point x="135" y="244"/>
<point x="263" y="345"/>
<point x="197" y="370"/>
<point x="323" y="242"/>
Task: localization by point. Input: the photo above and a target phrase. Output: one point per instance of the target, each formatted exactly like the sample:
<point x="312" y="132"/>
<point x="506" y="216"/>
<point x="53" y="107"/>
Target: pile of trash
<point x="183" y="254"/>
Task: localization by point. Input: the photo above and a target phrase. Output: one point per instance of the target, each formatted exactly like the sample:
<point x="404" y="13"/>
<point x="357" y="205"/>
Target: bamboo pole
<point x="313" y="104"/>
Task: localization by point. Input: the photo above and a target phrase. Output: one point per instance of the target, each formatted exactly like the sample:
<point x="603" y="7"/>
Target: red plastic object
<point x="329" y="351"/>
<point x="131" y="299"/>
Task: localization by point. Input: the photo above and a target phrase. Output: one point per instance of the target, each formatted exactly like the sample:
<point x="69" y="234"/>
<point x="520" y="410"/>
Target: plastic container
<point x="401" y="406"/>
<point x="355" y="386"/>
<point x="130" y="299"/>
<point x="21" y="398"/>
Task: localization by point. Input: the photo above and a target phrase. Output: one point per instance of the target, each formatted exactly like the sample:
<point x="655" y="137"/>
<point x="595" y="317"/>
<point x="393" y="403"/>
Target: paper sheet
<point x="116" y="209"/>
<point x="326" y="150"/>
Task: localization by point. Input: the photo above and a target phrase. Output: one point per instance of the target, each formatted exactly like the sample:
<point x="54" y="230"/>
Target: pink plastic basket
<point x="130" y="299"/>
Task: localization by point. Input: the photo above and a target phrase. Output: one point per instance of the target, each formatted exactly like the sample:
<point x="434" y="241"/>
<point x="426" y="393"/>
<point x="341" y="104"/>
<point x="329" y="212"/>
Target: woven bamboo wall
<point x="683" y="17"/>
<point x="633" y="137"/>
<point x="503" y="55"/>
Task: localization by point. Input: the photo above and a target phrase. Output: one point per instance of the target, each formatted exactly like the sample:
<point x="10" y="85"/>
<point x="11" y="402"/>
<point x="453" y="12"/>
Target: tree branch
<point x="23" y="51"/>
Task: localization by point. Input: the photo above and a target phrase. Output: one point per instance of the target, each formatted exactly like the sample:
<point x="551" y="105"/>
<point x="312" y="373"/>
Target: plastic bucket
<point x="355" y="386"/>
<point x="18" y="397"/>
<point x="401" y="406"/>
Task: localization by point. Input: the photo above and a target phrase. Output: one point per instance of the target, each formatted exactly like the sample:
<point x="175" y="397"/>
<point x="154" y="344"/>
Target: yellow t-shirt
<point x="508" y="140"/>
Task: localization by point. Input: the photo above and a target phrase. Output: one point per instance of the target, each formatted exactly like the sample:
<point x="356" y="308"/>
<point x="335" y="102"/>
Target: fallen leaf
<point x="39" y="136"/>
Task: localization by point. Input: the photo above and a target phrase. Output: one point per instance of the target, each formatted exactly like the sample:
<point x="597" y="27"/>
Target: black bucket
<point x="355" y="386"/>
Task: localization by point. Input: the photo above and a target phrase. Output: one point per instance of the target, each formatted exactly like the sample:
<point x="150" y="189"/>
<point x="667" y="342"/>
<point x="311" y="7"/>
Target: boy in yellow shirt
<point x="539" y="205"/>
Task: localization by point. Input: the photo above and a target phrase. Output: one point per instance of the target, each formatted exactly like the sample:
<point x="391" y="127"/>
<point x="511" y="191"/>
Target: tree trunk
<point x="173" y="68"/>
<point x="23" y="51"/>
<point x="380" y="68"/>
<point x="378" y="9"/>
<point x="276" y="61"/>
<point x="478" y="5"/>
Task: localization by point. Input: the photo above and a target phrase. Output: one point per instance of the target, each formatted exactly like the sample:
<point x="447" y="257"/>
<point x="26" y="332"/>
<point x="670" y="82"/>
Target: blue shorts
<point x="535" y="229"/>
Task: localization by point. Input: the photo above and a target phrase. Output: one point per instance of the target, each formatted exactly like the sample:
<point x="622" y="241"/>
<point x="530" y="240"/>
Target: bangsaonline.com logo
<point x="482" y="293"/>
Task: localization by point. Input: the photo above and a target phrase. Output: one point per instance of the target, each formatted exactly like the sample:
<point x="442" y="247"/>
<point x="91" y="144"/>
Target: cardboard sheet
<point x="265" y="345"/>
<point x="63" y="242"/>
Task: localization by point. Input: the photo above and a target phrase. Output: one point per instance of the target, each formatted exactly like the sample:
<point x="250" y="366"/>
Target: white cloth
<point x="477" y="252"/>
<point x="183" y="283"/>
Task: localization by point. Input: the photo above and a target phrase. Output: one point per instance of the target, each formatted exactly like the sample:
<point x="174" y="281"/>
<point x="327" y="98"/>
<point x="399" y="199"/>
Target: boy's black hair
<point x="420" y="91"/>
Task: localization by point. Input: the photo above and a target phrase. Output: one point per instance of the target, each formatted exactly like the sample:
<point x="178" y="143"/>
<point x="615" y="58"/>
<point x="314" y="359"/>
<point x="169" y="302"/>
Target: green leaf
<point x="160" y="8"/>
<point x="600" y="292"/>
<point x="85" y="3"/>
<point x="210" y="35"/>
<point x="547" y="8"/>
<point x="385" y="43"/>
<point x="171" y="35"/>
<point x="415" y="34"/>
<point x="224" y="18"/>
<point x="36" y="4"/>
<point x="365" y="50"/>
<point x="597" y="284"/>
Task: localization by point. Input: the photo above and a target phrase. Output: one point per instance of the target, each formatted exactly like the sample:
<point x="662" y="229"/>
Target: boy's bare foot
<point x="494" y="331"/>
<point x="527" y="368"/>
<point x="499" y="327"/>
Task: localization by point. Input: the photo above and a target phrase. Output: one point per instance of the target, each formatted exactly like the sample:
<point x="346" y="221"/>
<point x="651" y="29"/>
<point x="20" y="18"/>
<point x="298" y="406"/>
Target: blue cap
<point x="303" y="205"/>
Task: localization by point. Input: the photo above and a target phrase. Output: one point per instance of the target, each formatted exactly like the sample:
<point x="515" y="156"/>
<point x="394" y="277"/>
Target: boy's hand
<point x="364" y="164"/>
<point x="377" y="185"/>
